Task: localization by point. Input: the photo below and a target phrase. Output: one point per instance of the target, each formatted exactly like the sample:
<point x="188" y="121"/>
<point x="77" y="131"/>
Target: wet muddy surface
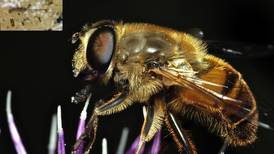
<point x="31" y="15"/>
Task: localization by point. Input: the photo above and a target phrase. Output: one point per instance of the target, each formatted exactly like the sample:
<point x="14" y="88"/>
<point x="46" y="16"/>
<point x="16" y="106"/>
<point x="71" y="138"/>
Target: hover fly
<point x="171" y="74"/>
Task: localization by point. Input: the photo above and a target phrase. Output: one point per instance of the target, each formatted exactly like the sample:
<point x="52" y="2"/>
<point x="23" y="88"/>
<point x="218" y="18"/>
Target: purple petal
<point x="156" y="143"/>
<point x="81" y="126"/>
<point x="60" y="132"/>
<point x="104" y="146"/>
<point x="82" y="121"/>
<point x="133" y="148"/>
<point x="80" y="130"/>
<point x="61" y="143"/>
<point x="52" y="137"/>
<point x="123" y="141"/>
<point x="20" y="149"/>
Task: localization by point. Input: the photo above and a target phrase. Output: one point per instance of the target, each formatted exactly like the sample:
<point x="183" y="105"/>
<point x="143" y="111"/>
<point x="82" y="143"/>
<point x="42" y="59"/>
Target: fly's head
<point x="93" y="58"/>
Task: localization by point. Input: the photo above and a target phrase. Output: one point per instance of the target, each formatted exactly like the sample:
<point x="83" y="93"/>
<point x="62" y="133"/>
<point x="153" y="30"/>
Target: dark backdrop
<point x="36" y="66"/>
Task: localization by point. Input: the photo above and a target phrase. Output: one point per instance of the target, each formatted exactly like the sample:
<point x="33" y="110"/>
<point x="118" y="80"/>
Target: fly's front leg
<point x="117" y="103"/>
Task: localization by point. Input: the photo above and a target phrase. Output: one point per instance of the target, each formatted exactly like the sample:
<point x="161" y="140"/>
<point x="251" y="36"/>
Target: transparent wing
<point x="232" y="48"/>
<point x="207" y="98"/>
<point x="239" y="49"/>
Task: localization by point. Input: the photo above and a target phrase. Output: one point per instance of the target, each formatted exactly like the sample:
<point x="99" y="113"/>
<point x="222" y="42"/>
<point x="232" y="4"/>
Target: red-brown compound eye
<point x="100" y="48"/>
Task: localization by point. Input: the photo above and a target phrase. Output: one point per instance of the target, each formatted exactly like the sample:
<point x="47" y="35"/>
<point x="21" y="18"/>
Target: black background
<point x="36" y="66"/>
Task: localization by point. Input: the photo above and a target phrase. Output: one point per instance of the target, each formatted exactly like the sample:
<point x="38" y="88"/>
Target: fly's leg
<point x="90" y="132"/>
<point x="179" y="135"/>
<point x="154" y="115"/>
<point x="117" y="103"/>
<point x="223" y="148"/>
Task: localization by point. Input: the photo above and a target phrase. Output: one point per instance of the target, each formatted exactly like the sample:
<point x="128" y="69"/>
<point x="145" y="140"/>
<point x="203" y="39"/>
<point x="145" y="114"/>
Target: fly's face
<point x="92" y="59"/>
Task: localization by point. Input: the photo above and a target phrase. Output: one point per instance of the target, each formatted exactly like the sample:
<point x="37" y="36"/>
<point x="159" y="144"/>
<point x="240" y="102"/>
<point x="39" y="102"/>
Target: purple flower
<point x="134" y="146"/>
<point x="155" y="148"/>
<point x="53" y="137"/>
<point x="20" y="149"/>
<point x="156" y="143"/>
<point x="81" y="125"/>
<point x="123" y="141"/>
<point x="56" y="128"/>
<point x="60" y="133"/>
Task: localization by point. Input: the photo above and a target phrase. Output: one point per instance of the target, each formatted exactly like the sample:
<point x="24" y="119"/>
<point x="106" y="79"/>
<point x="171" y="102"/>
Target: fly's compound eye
<point x="100" y="48"/>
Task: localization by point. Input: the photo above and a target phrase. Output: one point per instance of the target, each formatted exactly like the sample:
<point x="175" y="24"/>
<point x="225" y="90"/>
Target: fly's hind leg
<point x="179" y="135"/>
<point x="117" y="103"/>
<point x="243" y="133"/>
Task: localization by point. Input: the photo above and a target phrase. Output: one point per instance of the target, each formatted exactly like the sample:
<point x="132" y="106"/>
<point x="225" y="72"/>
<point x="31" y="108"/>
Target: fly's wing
<point x="239" y="49"/>
<point x="218" y="89"/>
<point x="233" y="49"/>
<point x="216" y="96"/>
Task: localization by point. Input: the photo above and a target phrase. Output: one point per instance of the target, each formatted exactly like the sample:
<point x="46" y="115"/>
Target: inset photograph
<point x="31" y="15"/>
